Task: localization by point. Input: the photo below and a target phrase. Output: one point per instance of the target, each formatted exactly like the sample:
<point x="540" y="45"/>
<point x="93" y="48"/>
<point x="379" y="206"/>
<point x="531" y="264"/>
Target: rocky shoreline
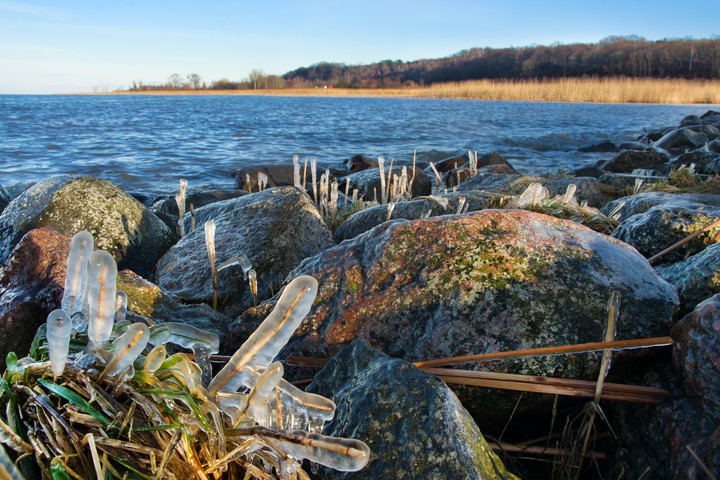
<point x="445" y="269"/>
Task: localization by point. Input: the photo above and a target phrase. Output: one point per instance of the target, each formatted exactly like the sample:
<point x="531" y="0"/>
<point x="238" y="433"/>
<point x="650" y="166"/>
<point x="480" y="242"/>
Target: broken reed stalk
<point x="500" y="446"/>
<point x="684" y="241"/>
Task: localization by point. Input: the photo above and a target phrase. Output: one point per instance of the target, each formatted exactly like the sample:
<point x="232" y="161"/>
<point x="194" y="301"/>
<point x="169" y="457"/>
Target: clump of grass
<point x="709" y="185"/>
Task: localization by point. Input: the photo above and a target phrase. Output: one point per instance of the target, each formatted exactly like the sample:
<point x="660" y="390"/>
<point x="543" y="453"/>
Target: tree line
<point x="629" y="56"/>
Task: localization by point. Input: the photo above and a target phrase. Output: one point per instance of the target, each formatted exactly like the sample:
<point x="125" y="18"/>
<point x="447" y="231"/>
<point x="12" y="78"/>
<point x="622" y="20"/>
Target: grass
<point x="595" y="90"/>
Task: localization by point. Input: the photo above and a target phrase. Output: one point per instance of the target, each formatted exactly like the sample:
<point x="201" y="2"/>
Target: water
<point x="147" y="143"/>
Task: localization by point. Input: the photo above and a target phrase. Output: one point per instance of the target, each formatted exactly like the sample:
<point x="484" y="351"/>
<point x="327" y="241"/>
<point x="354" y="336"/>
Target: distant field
<point x="596" y="90"/>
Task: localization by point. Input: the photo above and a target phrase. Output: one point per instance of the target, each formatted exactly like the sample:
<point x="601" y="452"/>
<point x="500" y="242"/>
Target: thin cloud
<point x="35" y="10"/>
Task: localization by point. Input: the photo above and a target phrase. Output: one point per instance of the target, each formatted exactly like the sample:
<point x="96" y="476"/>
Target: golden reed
<point x="595" y="90"/>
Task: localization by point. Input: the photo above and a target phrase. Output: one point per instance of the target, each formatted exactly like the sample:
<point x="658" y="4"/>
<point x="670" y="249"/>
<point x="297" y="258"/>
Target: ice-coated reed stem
<point x="262" y="181"/>
<point x="388" y="198"/>
<point x="333" y="202"/>
<point x="121" y="306"/>
<point x="210" y="244"/>
<point x="347" y="191"/>
<point x="192" y="217"/>
<point x="180" y="199"/>
<point x="304" y="174"/>
<point x="438" y="179"/>
<point x="252" y="280"/>
<point x="313" y="172"/>
<point x="296" y="171"/>
<point x="76" y="275"/>
<point x="102" y="297"/>
<point x="381" y="167"/>
<point x="58" y="332"/>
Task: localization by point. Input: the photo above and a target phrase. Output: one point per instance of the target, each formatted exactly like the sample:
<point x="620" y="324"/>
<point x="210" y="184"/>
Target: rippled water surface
<point x="146" y="143"/>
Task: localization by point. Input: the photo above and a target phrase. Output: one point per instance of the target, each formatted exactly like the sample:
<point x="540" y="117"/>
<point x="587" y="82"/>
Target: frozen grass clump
<point x="104" y="399"/>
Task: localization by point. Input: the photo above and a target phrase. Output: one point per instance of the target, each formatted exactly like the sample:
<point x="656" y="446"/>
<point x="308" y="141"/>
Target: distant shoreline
<point x="590" y="90"/>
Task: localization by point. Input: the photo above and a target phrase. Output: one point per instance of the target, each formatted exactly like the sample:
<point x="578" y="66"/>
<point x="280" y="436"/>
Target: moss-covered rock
<point x="275" y="228"/>
<point x="121" y="225"/>
<point x="481" y="282"/>
<point x="413" y="423"/>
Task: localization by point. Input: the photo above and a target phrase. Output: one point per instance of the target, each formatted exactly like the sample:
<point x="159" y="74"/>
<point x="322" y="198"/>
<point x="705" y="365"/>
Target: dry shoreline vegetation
<point x="592" y="90"/>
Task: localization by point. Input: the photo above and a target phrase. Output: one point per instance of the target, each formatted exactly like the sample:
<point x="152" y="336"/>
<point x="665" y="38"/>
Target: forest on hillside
<point x="617" y="56"/>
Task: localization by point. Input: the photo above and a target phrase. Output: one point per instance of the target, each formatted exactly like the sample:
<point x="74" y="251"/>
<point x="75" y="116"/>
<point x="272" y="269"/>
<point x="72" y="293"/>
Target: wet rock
<point x="485" y="281"/>
<point x="31" y="286"/>
<point x="421" y="207"/>
<point x="4" y="198"/>
<point x="606" y="146"/>
<point x="688" y="138"/>
<point x="367" y="182"/>
<point x="278" y="175"/>
<point x="630" y="160"/>
<point x="168" y="205"/>
<point x="359" y="163"/>
<point x="665" y="224"/>
<point x="121" y="225"/>
<point x="707" y="162"/>
<point x="448" y="164"/>
<point x="275" y="228"/>
<point x="643" y="202"/>
<point x="414" y="424"/>
<point x="696" y="279"/>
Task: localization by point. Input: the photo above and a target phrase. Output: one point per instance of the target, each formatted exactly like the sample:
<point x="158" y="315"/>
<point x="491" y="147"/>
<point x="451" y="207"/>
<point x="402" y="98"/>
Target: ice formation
<point x="270" y="411"/>
<point x="81" y="246"/>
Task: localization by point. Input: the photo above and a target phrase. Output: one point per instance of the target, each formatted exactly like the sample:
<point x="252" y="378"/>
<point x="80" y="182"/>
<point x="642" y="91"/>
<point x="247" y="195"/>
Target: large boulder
<point x="421" y="207"/>
<point x="4" y="198"/>
<point x="687" y="138"/>
<point x="275" y="228"/>
<point x="32" y="284"/>
<point x="479" y="282"/>
<point x="696" y="279"/>
<point x="169" y="206"/>
<point x="121" y="225"/>
<point x="414" y="424"/>
<point x="277" y="175"/>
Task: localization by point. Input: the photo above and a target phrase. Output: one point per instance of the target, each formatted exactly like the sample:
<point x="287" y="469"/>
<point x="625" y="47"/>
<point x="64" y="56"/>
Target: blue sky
<point x="78" y="45"/>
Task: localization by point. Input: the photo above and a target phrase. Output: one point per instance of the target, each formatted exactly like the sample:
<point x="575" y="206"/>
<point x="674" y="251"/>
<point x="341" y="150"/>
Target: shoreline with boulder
<point x="421" y="262"/>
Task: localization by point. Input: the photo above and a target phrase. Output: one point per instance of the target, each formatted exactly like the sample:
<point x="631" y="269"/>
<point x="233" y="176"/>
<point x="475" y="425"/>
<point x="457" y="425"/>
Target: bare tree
<point x="256" y="78"/>
<point x="175" y="80"/>
<point x="195" y="80"/>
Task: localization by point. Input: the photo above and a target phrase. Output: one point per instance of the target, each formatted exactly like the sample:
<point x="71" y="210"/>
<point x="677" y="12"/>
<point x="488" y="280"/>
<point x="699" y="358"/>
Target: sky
<point x="69" y="46"/>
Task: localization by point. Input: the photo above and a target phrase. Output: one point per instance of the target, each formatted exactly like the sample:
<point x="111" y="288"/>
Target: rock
<point x="625" y="182"/>
<point x="687" y="138"/>
<point x="605" y="146"/>
<point x="705" y="161"/>
<point x="696" y="279"/>
<point x="642" y="202"/>
<point x="589" y="171"/>
<point x="278" y="175"/>
<point x="168" y="205"/>
<point x="4" y="198"/>
<point x="484" y="281"/>
<point x="496" y="183"/>
<point x="448" y="164"/>
<point x="367" y="182"/>
<point x="414" y="424"/>
<point x="630" y="160"/>
<point x="359" y="163"/>
<point x="31" y="286"/>
<point x="275" y="228"/>
<point x="121" y="225"/>
<point x="421" y="207"/>
<point x="663" y="225"/>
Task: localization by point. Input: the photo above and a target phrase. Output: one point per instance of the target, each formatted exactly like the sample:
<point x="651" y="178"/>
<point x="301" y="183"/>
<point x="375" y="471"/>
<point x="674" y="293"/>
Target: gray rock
<point x="275" y="228"/>
<point x="4" y="198"/>
<point x="359" y="163"/>
<point x="642" y="202"/>
<point x="121" y="225"/>
<point x="168" y="205"/>
<point x="367" y="182"/>
<point x="687" y="138"/>
<point x="606" y="146"/>
<point x="706" y="162"/>
<point x="696" y="279"/>
<point x="421" y="207"/>
<point x="629" y="160"/>
<point x="664" y="225"/>
<point x="414" y="424"/>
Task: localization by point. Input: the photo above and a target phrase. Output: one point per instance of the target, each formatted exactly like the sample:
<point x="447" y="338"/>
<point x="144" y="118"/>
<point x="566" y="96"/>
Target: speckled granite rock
<point x="480" y="282"/>
<point x="275" y="228"/>
<point x="121" y="225"/>
<point x="413" y="423"/>
<point x="696" y="279"/>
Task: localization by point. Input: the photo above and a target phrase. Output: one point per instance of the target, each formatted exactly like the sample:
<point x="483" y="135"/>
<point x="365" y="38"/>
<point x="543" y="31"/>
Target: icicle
<point x="533" y="194"/>
<point x="296" y="172"/>
<point x="313" y="171"/>
<point x="438" y="179"/>
<point x="461" y="204"/>
<point x="155" y="358"/>
<point x="258" y="409"/>
<point x="242" y="260"/>
<point x="102" y="273"/>
<point x="202" y="343"/>
<point x="333" y="202"/>
<point x="343" y="454"/>
<point x="127" y="348"/>
<point x="267" y="340"/>
<point x="210" y="244"/>
<point x="569" y="196"/>
<point x="74" y="297"/>
<point x="58" y="332"/>
<point x="381" y="167"/>
<point x="390" y="208"/>
<point x="347" y="191"/>
<point x="262" y="181"/>
<point x="248" y="182"/>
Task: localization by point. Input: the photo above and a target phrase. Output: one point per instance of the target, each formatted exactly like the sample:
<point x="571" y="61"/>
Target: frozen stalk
<point x="202" y="343"/>
<point x="59" y="327"/>
<point x="76" y="276"/>
<point x="258" y="408"/>
<point x="252" y="279"/>
<point x="102" y="297"/>
<point x="127" y="347"/>
<point x="313" y="173"/>
<point x="381" y="167"/>
<point x="262" y="181"/>
<point x="296" y="172"/>
<point x="210" y="244"/>
<point x="180" y="199"/>
<point x="265" y="343"/>
<point x="438" y="179"/>
<point x="333" y="202"/>
<point x="121" y="307"/>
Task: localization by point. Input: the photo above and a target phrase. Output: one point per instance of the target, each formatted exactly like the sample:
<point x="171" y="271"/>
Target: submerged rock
<point x="480" y="282"/>
<point x="121" y="225"/>
<point x="275" y="228"/>
<point x="414" y="424"/>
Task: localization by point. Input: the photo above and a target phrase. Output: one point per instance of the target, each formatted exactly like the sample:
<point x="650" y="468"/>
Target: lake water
<point x="147" y="143"/>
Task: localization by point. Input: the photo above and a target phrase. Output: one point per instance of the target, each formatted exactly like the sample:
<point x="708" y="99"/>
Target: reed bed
<point x="593" y="90"/>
